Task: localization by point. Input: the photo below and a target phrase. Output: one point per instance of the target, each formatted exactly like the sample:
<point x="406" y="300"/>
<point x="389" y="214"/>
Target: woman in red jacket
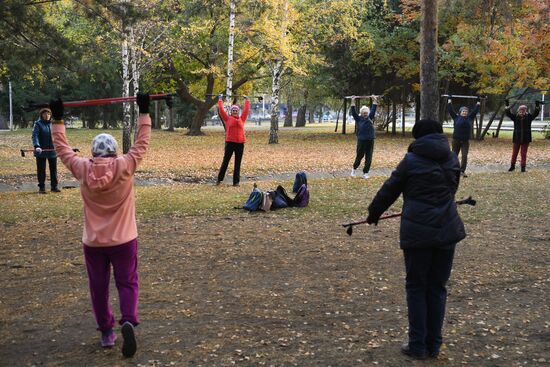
<point x="234" y="138"/>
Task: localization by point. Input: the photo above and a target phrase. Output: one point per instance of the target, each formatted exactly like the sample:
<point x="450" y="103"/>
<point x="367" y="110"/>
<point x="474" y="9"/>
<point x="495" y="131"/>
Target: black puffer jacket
<point x="428" y="177"/>
<point x="522" y="125"/>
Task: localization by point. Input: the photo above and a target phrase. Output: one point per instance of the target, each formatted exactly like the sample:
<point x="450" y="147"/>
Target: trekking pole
<point x="349" y="231"/>
<point x="98" y="102"/>
<point x="44" y="150"/>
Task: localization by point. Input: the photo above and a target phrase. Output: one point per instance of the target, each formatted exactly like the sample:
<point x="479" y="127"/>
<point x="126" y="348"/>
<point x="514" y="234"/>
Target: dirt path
<point x="273" y="290"/>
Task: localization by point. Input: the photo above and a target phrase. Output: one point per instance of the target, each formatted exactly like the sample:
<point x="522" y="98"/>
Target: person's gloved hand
<point x="142" y="100"/>
<point x="170" y="102"/>
<point x="38" y="150"/>
<point x="507" y="102"/>
<point x="537" y="104"/>
<point x="57" y="109"/>
<point x="371" y="219"/>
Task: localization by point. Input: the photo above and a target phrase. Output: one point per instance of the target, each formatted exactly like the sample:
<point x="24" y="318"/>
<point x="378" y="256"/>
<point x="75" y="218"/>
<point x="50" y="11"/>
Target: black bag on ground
<point x="299" y="180"/>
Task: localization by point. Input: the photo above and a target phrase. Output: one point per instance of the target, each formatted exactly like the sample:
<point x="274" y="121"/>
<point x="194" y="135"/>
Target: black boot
<point x="406" y="350"/>
<point x="522" y="168"/>
<point x="512" y="167"/>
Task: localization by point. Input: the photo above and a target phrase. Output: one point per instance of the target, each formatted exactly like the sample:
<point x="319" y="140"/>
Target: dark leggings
<point x="230" y="148"/>
<point x="41" y="171"/>
<point x="428" y="270"/>
<point x="364" y="149"/>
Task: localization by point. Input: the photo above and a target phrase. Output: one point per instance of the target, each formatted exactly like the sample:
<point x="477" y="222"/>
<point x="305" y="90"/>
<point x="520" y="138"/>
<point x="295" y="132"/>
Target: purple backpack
<point x="302" y="197"/>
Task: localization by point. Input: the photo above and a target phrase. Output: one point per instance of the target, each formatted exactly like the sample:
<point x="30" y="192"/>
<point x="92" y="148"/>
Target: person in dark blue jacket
<point x="463" y="122"/>
<point x="365" y="136"/>
<point x="428" y="177"/>
<point x="44" y="151"/>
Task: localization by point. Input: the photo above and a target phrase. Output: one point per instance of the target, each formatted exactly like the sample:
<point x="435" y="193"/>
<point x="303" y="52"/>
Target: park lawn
<point x="175" y="156"/>
<point x="220" y="286"/>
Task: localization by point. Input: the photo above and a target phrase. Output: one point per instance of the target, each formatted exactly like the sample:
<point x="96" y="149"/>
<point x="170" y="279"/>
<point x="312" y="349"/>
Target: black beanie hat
<point x="425" y="127"/>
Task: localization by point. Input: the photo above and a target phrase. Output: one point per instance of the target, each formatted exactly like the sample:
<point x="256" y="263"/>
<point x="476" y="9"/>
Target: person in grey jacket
<point x="428" y="177"/>
<point x="44" y="151"/>
<point x="365" y="136"/>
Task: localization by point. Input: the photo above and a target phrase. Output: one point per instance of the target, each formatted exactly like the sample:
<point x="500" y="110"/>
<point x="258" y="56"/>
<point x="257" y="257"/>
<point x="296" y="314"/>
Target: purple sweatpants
<point x="98" y="264"/>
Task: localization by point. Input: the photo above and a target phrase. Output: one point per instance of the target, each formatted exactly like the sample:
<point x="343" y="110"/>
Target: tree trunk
<point x="126" y="117"/>
<point x="480" y="125"/>
<point x="229" y="85"/>
<point x="429" y="93"/>
<point x="135" y="81"/>
<point x="156" y="121"/>
<point x="310" y="116"/>
<point x="394" y="119"/>
<point x="170" y="123"/>
<point x="289" y="111"/>
<point x="301" y="117"/>
<point x="275" y="106"/>
<point x="198" y="119"/>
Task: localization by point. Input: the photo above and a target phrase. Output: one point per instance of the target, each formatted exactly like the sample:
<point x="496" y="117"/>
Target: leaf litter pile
<point x="222" y="287"/>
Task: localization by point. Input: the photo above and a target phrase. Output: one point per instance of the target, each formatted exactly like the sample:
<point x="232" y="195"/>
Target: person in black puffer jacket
<point x="428" y="177"/>
<point x="44" y="150"/>
<point x="462" y="124"/>
<point x="522" y="132"/>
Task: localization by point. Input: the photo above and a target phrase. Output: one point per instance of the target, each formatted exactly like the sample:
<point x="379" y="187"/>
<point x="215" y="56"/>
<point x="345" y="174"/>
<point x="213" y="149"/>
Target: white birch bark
<point x="229" y="85"/>
<point x="276" y="81"/>
<point x="126" y="116"/>
<point x="134" y="57"/>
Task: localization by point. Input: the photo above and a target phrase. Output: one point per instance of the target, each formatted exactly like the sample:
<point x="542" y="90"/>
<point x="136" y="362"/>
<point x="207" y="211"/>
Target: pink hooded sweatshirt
<point x="107" y="187"/>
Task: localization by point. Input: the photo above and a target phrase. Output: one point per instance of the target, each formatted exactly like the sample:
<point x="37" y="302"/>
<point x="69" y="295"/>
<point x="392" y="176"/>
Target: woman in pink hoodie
<point x="110" y="230"/>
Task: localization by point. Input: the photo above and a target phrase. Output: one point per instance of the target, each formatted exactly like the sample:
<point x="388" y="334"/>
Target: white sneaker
<point x="353" y="173"/>
<point x="365" y="176"/>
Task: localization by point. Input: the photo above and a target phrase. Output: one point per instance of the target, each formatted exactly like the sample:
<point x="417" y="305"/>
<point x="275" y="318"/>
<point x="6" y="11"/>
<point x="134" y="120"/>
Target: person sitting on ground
<point x="110" y="230"/>
<point x="522" y="132"/>
<point x="365" y="136"/>
<point x="462" y="124"/>
<point x="234" y="138"/>
<point x="428" y="177"/>
<point x="44" y="151"/>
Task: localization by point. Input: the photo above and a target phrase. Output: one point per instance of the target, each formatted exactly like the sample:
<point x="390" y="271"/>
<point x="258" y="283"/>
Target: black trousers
<point x="230" y="148"/>
<point x="364" y="149"/>
<point x="41" y="172"/>
<point x="428" y="271"/>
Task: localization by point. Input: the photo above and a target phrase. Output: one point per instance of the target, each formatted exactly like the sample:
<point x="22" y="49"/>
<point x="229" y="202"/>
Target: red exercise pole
<point x="101" y="101"/>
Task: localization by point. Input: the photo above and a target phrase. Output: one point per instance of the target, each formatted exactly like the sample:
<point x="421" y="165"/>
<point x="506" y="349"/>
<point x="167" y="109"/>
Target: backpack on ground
<point x="282" y="192"/>
<point x="301" y="199"/>
<point x="266" y="202"/>
<point x="277" y="200"/>
<point x="299" y="180"/>
<point x="255" y="200"/>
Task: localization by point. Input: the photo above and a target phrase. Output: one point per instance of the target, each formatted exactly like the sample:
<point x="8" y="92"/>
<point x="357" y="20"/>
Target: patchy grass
<point x="221" y="287"/>
<point x="314" y="149"/>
